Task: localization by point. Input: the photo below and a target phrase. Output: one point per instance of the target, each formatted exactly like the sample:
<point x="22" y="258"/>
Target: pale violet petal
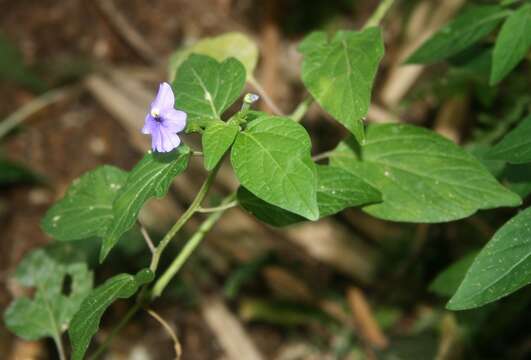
<point x="169" y="140"/>
<point x="173" y="120"/>
<point x="156" y="138"/>
<point x="149" y="124"/>
<point x="164" y="99"/>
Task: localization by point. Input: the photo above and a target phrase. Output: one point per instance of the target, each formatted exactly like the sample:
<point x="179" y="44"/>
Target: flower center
<point x="155" y="113"/>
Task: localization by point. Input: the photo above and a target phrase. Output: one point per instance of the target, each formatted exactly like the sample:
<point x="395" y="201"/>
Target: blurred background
<point x="76" y="78"/>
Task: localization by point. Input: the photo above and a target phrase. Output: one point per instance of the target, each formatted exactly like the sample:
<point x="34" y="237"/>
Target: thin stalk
<point x="218" y="208"/>
<point x="301" y="109"/>
<point x="379" y="13"/>
<point x="196" y="203"/>
<point x="322" y="156"/>
<point x="146" y="237"/>
<point x="59" y="345"/>
<point x="265" y="96"/>
<point x="188" y="249"/>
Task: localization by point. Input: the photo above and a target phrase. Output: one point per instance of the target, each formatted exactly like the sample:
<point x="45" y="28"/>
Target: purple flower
<point x="163" y="122"/>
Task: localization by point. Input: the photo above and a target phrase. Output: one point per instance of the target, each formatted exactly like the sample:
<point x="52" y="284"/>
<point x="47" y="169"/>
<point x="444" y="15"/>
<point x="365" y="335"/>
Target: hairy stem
<point x="189" y="248"/>
<point x="203" y="191"/>
<point x="379" y="13"/>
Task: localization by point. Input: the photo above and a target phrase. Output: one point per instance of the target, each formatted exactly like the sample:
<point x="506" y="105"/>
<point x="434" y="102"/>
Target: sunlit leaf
<point x="222" y="47"/>
<point x="272" y="160"/>
<point x="217" y="139"/>
<point x="204" y="88"/>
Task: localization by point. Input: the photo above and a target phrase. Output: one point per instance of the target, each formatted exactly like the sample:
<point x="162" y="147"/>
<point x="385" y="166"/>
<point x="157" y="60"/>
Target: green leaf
<point x="512" y="43"/>
<point x="337" y="190"/>
<point x="86" y="208"/>
<point x="465" y="30"/>
<point x="422" y="176"/>
<point x="272" y="160"/>
<point x="151" y="177"/>
<point x="86" y="321"/>
<point x="502" y="267"/>
<point x="217" y="139"/>
<point x="50" y="310"/>
<point x="447" y="281"/>
<point x="222" y="47"/>
<point x="518" y="178"/>
<point x="515" y="147"/>
<point x="204" y="88"/>
<point x="339" y="73"/>
<point x="265" y="212"/>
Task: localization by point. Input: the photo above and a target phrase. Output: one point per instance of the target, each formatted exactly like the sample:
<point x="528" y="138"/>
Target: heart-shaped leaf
<point x="339" y="73"/>
<point x="204" y="88"/>
<point x="272" y="160"/>
<point x="86" y="208"/>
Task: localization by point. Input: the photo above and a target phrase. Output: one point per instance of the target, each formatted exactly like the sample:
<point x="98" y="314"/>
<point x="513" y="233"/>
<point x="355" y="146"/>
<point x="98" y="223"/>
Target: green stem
<point x="132" y="311"/>
<point x="218" y="208"/>
<point x="194" y="206"/>
<point x="189" y="248"/>
<point x="301" y="109"/>
<point x="141" y="297"/>
<point x="379" y="13"/>
<point x="322" y="156"/>
<point x="59" y="345"/>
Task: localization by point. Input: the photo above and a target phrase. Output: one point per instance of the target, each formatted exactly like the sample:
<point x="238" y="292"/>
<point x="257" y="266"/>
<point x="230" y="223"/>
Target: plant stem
<point x="189" y="248"/>
<point x="146" y="237"/>
<point x="132" y="311"/>
<point x="379" y="13"/>
<point x="59" y="345"/>
<point x="218" y="208"/>
<point x="301" y="109"/>
<point x="322" y="156"/>
<point x="265" y="97"/>
<point x="196" y="203"/>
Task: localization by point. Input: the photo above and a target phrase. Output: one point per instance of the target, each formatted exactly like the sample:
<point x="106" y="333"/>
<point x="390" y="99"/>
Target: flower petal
<point x="173" y="120"/>
<point x="155" y="137"/>
<point x="149" y="124"/>
<point x="168" y="140"/>
<point x="164" y="99"/>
